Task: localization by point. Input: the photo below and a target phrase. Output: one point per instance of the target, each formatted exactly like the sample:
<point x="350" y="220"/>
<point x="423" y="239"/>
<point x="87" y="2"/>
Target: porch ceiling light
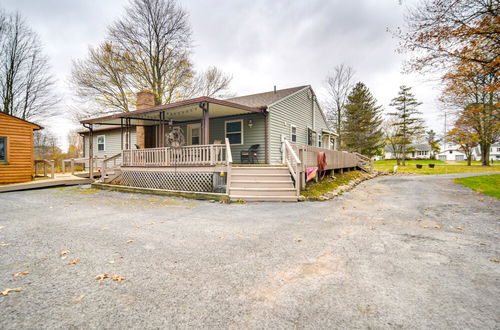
<point x="250" y="123"/>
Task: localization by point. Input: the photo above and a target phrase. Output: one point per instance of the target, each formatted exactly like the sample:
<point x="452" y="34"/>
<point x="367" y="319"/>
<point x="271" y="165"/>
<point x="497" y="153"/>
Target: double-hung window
<point x="101" y="143"/>
<point x="3" y="149"/>
<point x="293" y="133"/>
<point x="234" y="131"/>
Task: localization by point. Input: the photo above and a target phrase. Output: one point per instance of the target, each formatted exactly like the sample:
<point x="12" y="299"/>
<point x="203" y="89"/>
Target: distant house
<point x="453" y="153"/>
<point x="413" y="151"/>
<point x="16" y="149"/>
<point x="494" y="152"/>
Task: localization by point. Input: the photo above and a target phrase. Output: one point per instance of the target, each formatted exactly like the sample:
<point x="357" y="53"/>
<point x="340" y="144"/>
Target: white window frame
<point x="103" y="144"/>
<point x="241" y="132"/>
<point x="291" y="133"/>
<point x="190" y="133"/>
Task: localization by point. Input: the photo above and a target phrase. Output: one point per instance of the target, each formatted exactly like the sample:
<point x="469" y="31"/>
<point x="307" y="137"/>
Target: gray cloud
<point x="262" y="43"/>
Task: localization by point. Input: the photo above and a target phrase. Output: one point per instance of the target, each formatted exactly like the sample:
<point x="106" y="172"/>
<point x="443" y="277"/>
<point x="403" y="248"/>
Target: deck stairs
<point x="364" y="163"/>
<point x="262" y="184"/>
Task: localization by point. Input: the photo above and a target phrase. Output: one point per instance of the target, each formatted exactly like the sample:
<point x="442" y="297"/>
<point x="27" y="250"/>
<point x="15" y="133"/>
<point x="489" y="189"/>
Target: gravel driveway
<point x="409" y="252"/>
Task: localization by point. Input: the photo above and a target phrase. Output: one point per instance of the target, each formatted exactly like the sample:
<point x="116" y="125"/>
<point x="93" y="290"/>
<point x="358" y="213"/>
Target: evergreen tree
<point x="362" y="123"/>
<point x="406" y="118"/>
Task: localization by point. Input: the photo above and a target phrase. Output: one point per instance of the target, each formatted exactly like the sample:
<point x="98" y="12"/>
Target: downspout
<point x="91" y="150"/>
<point x="265" y="113"/>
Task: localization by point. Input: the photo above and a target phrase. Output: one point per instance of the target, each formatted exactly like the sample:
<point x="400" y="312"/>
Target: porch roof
<point x="186" y="110"/>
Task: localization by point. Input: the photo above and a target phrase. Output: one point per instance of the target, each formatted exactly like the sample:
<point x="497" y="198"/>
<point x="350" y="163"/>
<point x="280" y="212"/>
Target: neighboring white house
<point x="413" y="151"/>
<point x="494" y="152"/>
<point x="452" y="153"/>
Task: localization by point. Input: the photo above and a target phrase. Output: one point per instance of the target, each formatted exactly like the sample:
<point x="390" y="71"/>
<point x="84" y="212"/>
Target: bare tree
<point x="25" y="81"/>
<point x="155" y="35"/>
<point x="103" y="78"/>
<point x="147" y="49"/>
<point x="393" y="137"/>
<point x="212" y="82"/>
<point x="338" y="85"/>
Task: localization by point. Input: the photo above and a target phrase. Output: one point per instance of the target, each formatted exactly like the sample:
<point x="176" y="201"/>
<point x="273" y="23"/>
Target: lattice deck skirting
<point x="173" y="180"/>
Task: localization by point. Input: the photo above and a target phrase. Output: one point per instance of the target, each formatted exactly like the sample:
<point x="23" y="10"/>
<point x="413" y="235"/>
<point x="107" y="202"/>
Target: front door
<point x="193" y="133"/>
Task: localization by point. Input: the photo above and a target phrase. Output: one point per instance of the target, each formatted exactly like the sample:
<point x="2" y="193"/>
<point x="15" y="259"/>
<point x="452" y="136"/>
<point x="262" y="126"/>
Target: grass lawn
<point x="440" y="168"/>
<point x="485" y="184"/>
<point x="420" y="161"/>
<point x="314" y="189"/>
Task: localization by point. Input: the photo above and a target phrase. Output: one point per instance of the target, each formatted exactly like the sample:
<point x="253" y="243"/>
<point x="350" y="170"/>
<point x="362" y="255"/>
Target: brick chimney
<point x="145" y="99"/>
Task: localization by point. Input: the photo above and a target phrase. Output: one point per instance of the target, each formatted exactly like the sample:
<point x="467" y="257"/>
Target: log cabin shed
<point x="16" y="149"/>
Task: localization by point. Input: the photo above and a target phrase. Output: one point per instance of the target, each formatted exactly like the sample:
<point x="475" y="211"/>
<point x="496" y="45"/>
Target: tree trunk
<point x="485" y="154"/>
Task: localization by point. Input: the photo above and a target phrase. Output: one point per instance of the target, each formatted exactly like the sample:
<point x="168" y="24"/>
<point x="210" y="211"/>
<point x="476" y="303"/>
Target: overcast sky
<point x="261" y="43"/>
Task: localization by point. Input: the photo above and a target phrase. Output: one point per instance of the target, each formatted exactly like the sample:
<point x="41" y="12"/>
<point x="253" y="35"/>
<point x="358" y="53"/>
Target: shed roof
<point x="35" y="126"/>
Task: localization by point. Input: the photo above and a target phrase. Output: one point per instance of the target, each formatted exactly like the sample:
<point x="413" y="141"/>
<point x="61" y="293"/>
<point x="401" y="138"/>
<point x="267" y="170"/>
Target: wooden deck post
<point x="72" y="166"/>
<point x="52" y="169"/>
<point x="63" y="163"/>
<point x="44" y="169"/>
<point x="103" y="168"/>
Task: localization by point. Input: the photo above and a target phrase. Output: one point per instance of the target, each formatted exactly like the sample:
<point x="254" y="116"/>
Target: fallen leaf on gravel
<point x="130" y="241"/>
<point x="26" y="272"/>
<point x="111" y="262"/>
<point x="118" y="278"/>
<point x="4" y="244"/>
<point x="74" y="261"/>
<point x="418" y="220"/>
<point x="78" y="299"/>
<point x="495" y="260"/>
<point x="299" y="240"/>
<point x="459" y="228"/>
<point x="101" y="277"/>
<point x="152" y="223"/>
<point x="6" y="291"/>
<point x="481" y="243"/>
<point x="64" y="252"/>
<point x="436" y="227"/>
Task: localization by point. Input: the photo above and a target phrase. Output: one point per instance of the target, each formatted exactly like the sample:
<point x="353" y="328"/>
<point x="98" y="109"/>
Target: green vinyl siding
<point x="112" y="144"/>
<point x="296" y="110"/>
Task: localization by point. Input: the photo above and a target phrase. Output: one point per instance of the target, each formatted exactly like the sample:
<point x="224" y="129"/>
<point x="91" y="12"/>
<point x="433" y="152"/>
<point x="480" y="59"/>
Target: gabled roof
<point x="34" y="126"/>
<point x="266" y="98"/>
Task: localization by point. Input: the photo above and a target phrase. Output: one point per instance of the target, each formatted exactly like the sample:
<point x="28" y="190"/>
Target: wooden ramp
<point x="59" y="180"/>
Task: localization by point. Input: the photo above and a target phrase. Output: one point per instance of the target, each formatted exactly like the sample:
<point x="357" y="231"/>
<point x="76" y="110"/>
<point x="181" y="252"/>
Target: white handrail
<point x="292" y="161"/>
<point x="229" y="162"/>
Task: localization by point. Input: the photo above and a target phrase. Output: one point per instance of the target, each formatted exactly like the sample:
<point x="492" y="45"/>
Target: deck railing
<point x="196" y="155"/>
<point x="293" y="163"/>
<point x="335" y="159"/>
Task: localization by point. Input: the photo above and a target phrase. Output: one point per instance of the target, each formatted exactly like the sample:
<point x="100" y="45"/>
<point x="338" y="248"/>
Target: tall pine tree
<point x="362" y="124"/>
<point x="411" y="127"/>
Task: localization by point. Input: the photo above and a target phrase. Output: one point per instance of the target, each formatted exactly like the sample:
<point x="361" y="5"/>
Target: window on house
<point x="101" y="141"/>
<point x="3" y="149"/>
<point x="319" y="140"/>
<point x="293" y="133"/>
<point x="498" y="149"/>
<point x="234" y="131"/>
<point x="311" y="137"/>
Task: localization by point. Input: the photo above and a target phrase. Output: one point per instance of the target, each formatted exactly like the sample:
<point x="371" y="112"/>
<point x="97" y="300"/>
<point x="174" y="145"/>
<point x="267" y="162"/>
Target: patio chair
<point x="250" y="155"/>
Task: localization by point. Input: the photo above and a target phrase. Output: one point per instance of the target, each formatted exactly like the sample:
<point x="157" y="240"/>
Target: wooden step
<point x="259" y="170"/>
<point x="263" y="191"/>
<point x="264" y="198"/>
<point x="261" y="183"/>
<point x="260" y="177"/>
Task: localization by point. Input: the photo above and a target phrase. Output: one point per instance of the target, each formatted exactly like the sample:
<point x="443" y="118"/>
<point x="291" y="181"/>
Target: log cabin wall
<point x="18" y="165"/>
